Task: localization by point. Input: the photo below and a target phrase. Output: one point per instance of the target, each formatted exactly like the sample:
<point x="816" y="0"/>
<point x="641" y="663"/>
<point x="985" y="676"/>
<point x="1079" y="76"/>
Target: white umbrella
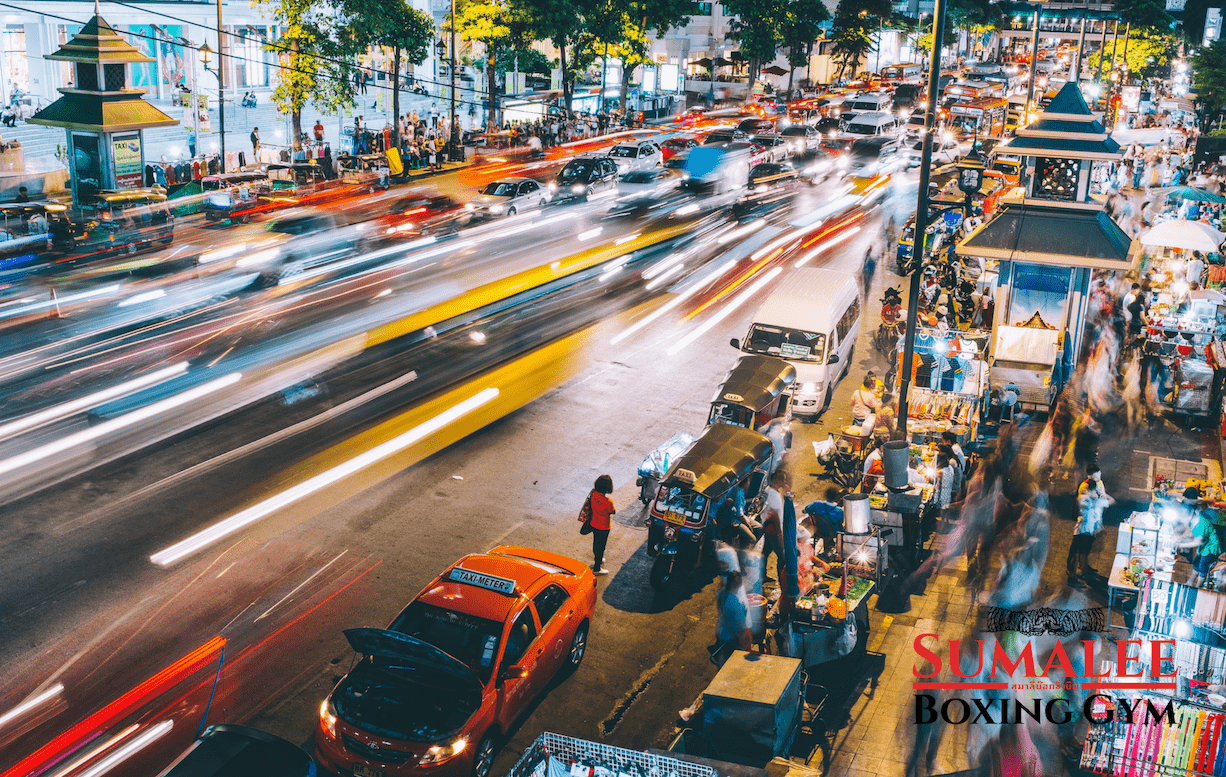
<point x="1188" y="235"/>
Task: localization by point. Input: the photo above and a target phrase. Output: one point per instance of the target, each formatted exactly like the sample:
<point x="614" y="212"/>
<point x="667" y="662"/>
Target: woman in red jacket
<point x="602" y="511"/>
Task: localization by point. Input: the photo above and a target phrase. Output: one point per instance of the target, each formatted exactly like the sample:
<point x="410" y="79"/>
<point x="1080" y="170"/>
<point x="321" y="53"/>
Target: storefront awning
<point x="1064" y="237"/>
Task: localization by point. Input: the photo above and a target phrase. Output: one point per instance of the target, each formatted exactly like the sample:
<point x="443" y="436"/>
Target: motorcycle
<point x="652" y="470"/>
<point x="893" y="321"/>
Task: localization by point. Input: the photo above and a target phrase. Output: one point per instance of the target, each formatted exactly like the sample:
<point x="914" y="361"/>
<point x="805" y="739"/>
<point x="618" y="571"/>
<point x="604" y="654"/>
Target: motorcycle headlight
<point x="577" y="189"/>
<point x="443" y="753"/>
<point x="327" y="717"/>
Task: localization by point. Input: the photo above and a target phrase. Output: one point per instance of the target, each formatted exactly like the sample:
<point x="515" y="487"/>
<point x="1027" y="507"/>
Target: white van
<point x="875" y="123"/>
<point x="872" y="102"/>
<point x="812" y="320"/>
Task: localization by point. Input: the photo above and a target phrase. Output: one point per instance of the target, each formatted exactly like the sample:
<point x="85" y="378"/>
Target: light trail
<point x="725" y="311"/>
<point x="101" y="430"/>
<point x="30" y="704"/>
<point x="829" y="244"/>
<point x="119" y="754"/>
<point x="671" y="304"/>
<point x="262" y="509"/>
<point x="84" y="403"/>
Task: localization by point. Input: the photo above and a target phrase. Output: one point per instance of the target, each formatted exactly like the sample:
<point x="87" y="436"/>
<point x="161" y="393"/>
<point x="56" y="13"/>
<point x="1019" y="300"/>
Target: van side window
<point x="848" y="320"/>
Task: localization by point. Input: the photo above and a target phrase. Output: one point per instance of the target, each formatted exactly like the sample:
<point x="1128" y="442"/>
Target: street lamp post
<point x="970" y="177"/>
<point x="1034" y="61"/>
<point x="456" y="149"/>
<point x="921" y="214"/>
<point x="205" y="52"/>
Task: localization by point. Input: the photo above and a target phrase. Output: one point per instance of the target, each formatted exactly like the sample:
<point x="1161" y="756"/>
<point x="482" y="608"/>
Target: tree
<point x="970" y="16"/>
<point x="560" y="22"/>
<point x="851" y="32"/>
<point x="756" y="26"/>
<point x="396" y="25"/>
<point x="1144" y="14"/>
<point x="641" y="18"/>
<point x="312" y="49"/>
<point x="1209" y="77"/>
<point x="499" y="26"/>
<point x="1147" y="52"/>
<point x="799" y="30"/>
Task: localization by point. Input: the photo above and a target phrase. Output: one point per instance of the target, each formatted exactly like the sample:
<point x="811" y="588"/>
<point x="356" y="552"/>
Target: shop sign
<point x="129" y="162"/>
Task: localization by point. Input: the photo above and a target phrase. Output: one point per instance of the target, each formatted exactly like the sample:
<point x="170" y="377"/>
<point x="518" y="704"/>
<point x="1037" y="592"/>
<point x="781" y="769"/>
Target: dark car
<point x="774" y="176"/>
<point x="801" y="139"/>
<point x="756" y="126"/>
<point x="239" y="751"/>
<point x="583" y="176"/>
<point x="827" y="125"/>
<point x="725" y="135"/>
<point x="907" y="95"/>
<point x="873" y="156"/>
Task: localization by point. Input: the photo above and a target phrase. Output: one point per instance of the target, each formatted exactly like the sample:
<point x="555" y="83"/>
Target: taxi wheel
<point x="578" y="648"/>
<point x="510" y="212"/>
<point x="483" y="758"/>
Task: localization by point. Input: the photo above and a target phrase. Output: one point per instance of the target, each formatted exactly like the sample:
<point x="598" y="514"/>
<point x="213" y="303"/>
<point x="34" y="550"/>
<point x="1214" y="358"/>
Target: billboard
<point x="129" y="162"/>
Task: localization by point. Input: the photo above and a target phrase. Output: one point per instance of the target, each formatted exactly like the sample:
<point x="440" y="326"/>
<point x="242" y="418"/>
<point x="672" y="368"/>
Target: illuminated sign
<point x="489" y="582"/>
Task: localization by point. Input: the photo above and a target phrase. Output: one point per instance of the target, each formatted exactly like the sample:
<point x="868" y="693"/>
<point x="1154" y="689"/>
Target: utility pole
<point x="221" y="87"/>
<point x="1034" y="61"/>
<point x="919" y="240"/>
<point x="1102" y="52"/>
<point x="456" y="149"/>
<point x="1081" y="50"/>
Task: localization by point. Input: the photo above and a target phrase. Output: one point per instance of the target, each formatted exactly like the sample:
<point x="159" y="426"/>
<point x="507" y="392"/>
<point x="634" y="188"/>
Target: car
<point x="652" y="182"/>
<point x="582" y="177"/>
<point x="907" y="96"/>
<point x="421" y="212"/>
<point x="226" y="750"/>
<point x="756" y="126"/>
<point x="757" y="152"/>
<point x="775" y="146"/>
<point x="801" y="139"/>
<point x="774" y="176"/>
<point x="828" y="125"/>
<point x="673" y="146"/>
<point x="763" y="106"/>
<point x="677" y="160"/>
<point x="945" y="150"/>
<point x="873" y="156"/>
<point x="506" y="197"/>
<point x="725" y="135"/>
<point x="691" y="117"/>
<point x="434" y="693"/>
<point x="638" y="155"/>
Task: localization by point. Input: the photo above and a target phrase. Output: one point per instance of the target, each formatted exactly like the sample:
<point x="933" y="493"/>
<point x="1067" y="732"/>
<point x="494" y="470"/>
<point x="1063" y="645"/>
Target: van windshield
<point x="792" y="344"/>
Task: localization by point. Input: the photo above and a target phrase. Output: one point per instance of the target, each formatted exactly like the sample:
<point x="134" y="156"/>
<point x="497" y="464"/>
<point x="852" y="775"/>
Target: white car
<point x="944" y="151"/>
<point x="639" y="155"/>
<point x="639" y="185"/>
<point x="506" y="197"/>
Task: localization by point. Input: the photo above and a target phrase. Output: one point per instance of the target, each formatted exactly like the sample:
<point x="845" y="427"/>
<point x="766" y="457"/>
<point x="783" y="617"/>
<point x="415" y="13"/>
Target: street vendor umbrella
<point x="774" y="70"/>
<point x="1192" y="193"/>
<point x="721" y="62"/>
<point x="705" y="62"/>
<point x="1188" y="235"/>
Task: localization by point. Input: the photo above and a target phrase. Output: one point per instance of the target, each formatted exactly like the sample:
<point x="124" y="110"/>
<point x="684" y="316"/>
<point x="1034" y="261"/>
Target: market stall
<point x="949" y="383"/>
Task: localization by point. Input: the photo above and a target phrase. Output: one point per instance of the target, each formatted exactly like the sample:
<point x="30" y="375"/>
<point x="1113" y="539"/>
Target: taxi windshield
<point x="472" y="641"/>
<point x="793" y="344"/>
<point x="682" y="501"/>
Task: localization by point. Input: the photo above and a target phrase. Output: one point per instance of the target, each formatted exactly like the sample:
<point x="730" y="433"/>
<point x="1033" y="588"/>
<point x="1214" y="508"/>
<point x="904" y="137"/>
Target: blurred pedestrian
<point x="870" y="269"/>
<point x="1092" y="499"/>
<point x="255" y="143"/>
<point x="772" y="520"/>
<point x="602" y="511"/>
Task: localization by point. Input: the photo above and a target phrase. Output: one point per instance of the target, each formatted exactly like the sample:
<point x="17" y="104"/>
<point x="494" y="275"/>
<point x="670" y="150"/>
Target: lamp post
<point x="711" y="46"/>
<point x="970" y="176"/>
<point x="454" y="135"/>
<point x="205" y="52"/>
<point x="195" y="103"/>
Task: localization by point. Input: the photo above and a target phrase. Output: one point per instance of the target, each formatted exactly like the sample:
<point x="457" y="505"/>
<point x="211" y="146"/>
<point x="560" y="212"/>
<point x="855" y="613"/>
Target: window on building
<point x="16" y="66"/>
<point x="253" y="67"/>
<point x="704" y="9"/>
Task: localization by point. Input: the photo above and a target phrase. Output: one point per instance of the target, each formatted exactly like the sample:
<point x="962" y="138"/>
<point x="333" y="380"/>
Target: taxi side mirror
<point x="512" y="673"/>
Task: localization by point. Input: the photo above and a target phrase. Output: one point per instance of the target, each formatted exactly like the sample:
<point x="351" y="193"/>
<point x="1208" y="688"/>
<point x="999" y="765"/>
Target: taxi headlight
<point x="577" y="188"/>
<point x="443" y="753"/>
<point x="553" y="187"/>
<point x="327" y="717"/>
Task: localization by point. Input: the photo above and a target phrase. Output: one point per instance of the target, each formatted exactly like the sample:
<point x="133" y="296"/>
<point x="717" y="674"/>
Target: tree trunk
<point x="791" y="75"/>
<point x="625" y="89"/>
<point x="296" y="114"/>
<point x="296" y="120"/>
<point x="566" y="85"/>
<point x="396" y="96"/>
<point x="491" y="115"/>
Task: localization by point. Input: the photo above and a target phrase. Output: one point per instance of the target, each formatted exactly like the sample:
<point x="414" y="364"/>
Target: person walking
<point x="1208" y="549"/>
<point x="870" y="269"/>
<point x="1092" y="499"/>
<point x="601" y="510"/>
<point x="772" y="519"/>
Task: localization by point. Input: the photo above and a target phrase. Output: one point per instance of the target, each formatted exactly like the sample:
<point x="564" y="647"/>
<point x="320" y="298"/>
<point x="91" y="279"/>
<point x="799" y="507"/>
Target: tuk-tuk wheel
<point x="662" y="572"/>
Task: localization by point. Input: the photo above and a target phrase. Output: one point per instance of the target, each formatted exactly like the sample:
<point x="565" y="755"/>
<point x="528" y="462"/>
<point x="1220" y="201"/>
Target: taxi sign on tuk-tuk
<point x="685" y="476"/>
<point x="499" y="585"/>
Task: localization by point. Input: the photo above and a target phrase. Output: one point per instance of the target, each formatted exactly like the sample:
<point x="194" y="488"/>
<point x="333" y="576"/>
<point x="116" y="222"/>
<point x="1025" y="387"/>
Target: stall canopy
<point x="1188" y="235"/>
<point x="1192" y="193"/>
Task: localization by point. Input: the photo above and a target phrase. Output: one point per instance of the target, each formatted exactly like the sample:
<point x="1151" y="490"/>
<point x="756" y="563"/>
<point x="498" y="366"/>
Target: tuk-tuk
<point x="294" y="177"/>
<point x="126" y="220"/>
<point x="365" y="168"/>
<point x="722" y="457"/>
<point x="228" y="196"/>
<point x="31" y="231"/>
<point x="754" y="393"/>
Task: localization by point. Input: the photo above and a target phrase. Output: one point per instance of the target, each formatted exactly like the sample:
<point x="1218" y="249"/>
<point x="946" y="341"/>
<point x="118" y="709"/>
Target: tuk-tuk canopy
<point x="123" y="198"/>
<point x="722" y="456"/>
<point x="755" y="380"/>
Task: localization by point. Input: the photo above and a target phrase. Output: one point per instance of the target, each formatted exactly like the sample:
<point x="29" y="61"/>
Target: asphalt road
<point x="91" y="611"/>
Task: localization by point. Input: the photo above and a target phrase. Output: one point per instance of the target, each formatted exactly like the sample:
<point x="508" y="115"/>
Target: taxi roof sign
<point x="489" y="582"/>
<point x="685" y="476"/>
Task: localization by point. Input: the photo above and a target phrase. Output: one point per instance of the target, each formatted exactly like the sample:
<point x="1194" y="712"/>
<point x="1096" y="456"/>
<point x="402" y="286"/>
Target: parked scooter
<point x="652" y="470"/>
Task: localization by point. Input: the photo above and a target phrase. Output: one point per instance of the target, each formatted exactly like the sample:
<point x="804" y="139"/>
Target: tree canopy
<point x="1209" y="76"/>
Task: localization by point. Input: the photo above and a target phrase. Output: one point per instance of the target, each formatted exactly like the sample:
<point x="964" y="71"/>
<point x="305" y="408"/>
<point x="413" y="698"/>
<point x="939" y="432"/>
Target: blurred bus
<point x="981" y="118"/>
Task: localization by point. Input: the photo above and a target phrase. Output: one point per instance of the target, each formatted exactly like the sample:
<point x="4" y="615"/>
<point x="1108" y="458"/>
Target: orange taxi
<point x="437" y="689"/>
